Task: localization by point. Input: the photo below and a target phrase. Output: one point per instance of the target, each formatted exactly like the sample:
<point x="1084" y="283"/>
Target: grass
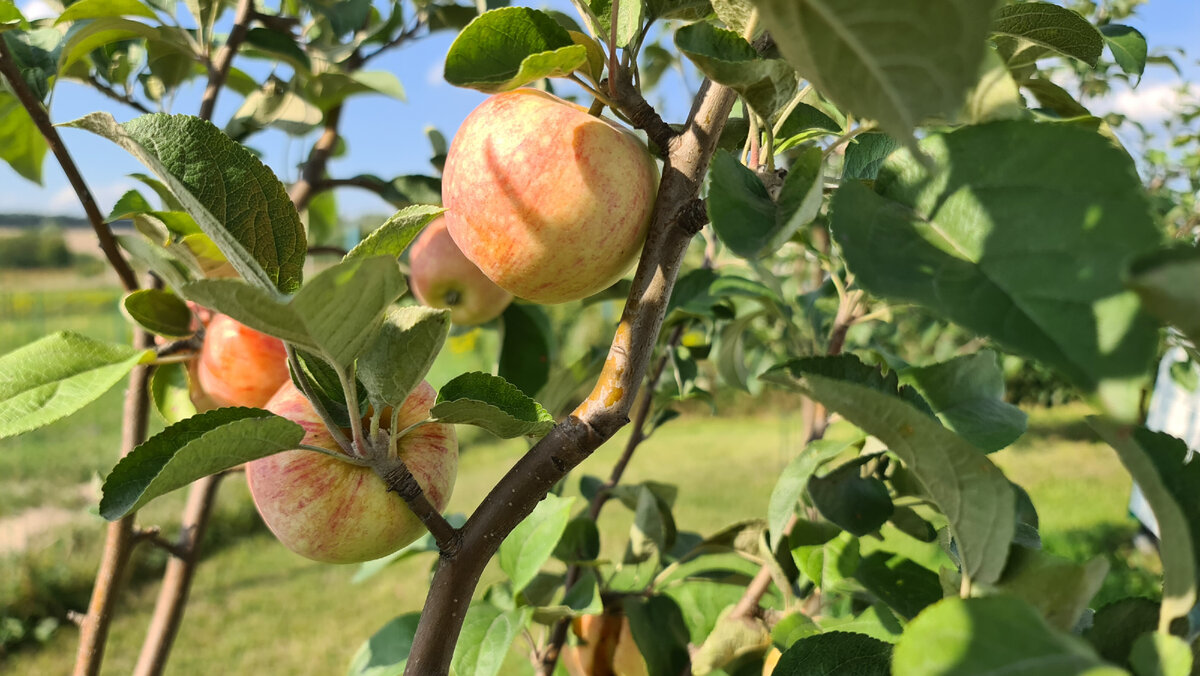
<point x="258" y="608"/>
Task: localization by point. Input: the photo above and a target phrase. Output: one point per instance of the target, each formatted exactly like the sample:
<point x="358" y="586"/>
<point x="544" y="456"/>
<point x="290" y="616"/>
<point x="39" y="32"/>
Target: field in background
<point x="257" y="608"/>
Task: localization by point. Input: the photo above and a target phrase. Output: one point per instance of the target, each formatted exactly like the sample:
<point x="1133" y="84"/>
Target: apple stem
<point x="334" y="454"/>
<point x="401" y="481"/>
<point x="350" y="390"/>
<point x="397" y="437"/>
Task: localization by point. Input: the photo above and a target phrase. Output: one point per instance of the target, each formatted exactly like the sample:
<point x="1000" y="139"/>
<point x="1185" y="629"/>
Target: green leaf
<point x="729" y="640"/>
<point x="406" y="345"/>
<point x="947" y="466"/>
<point x="794" y="478"/>
<point x="1128" y="47"/>
<point x="386" y="652"/>
<point x="100" y="32"/>
<point x="21" y="144"/>
<point x="147" y="255"/>
<point x="835" y="652"/>
<point x="1158" y="463"/>
<point x="492" y="403"/>
<point x="951" y="239"/>
<point x="130" y="204"/>
<point x="327" y="387"/>
<point x="967" y="394"/>
<point x="989" y="637"/>
<point x="1053" y="27"/>
<point x="1167" y="282"/>
<point x="894" y="61"/>
<point x="905" y="586"/>
<point x="531" y="543"/>
<point x="804" y="124"/>
<point x="1158" y="654"/>
<point x="253" y="307"/>
<point x="10" y="17"/>
<point x="233" y="196"/>
<point x="509" y="47"/>
<point x="629" y="20"/>
<point x="191" y="449"/>
<point x="858" y="504"/>
<point x="743" y="214"/>
<point x="99" y="9"/>
<point x="487" y="633"/>
<point x="1116" y="626"/>
<point x="580" y="541"/>
<point x="394" y="236"/>
<point x="653" y="529"/>
<point x="865" y="155"/>
<point x="35" y="53"/>
<point x="660" y="633"/>
<point x="160" y="312"/>
<point x="343" y="306"/>
<point x="1060" y="589"/>
<point x="278" y="44"/>
<point x="996" y="96"/>
<point x="170" y="391"/>
<point x="739" y="207"/>
<point x="725" y="57"/>
<point x="525" y="349"/>
<point x="57" y="375"/>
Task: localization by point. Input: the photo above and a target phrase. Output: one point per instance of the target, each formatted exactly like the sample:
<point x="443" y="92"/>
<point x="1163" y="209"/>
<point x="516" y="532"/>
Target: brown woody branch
<point x="119" y="540"/>
<point x="401" y="481"/>
<point x="108" y="243"/>
<point x="313" y="173"/>
<point x="642" y="115"/>
<point x="177" y="580"/>
<point x="153" y="536"/>
<point x="220" y="69"/>
<point x="605" y="410"/>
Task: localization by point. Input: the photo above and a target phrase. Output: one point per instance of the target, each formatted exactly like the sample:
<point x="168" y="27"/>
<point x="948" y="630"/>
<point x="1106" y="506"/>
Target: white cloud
<point x="64" y="201"/>
<point x="37" y="9"/>
<point x="1148" y="103"/>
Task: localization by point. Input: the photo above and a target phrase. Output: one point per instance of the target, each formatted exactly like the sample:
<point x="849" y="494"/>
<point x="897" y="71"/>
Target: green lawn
<point x="260" y="609"/>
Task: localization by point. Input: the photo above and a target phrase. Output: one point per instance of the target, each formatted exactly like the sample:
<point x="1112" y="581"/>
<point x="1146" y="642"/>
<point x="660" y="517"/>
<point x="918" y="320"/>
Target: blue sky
<point x="386" y="137"/>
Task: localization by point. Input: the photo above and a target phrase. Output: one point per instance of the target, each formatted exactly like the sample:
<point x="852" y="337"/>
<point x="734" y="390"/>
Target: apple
<point x="442" y="277"/>
<point x="337" y="511"/>
<point x="551" y="203"/>
<point x="606" y="647"/>
<point x="239" y="366"/>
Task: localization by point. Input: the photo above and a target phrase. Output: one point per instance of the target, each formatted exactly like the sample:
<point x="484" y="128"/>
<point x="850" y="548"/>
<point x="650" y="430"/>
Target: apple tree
<point x="841" y="164"/>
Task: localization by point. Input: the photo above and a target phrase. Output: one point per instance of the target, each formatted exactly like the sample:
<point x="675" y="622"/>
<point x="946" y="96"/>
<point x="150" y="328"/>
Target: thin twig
<point x="119" y="539"/>
<point x="108" y="243"/>
<point x="400" y="480"/>
<point x="847" y="310"/>
<point x="642" y="115"/>
<point x="220" y="72"/>
<point x="117" y="96"/>
<point x="177" y="580"/>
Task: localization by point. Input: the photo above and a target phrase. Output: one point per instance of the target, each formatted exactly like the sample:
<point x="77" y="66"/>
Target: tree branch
<point x="401" y="481"/>
<point x="216" y="79"/>
<point x="642" y="115"/>
<point x="119" y="540"/>
<point x="604" y="411"/>
<point x="318" y="158"/>
<point x="108" y="243"/>
<point x="177" y="580"/>
<point x="116" y="96"/>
